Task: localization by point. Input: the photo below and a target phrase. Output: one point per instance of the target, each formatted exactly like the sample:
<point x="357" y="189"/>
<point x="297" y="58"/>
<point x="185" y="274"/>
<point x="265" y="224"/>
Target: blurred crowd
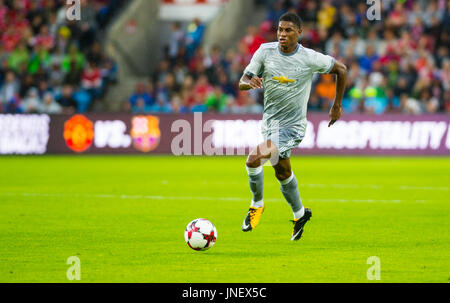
<point x="398" y="64"/>
<point x="49" y="64"/>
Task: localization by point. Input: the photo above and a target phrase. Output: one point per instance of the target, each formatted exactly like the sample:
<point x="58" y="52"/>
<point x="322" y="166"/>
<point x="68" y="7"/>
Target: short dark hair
<point x="292" y="17"/>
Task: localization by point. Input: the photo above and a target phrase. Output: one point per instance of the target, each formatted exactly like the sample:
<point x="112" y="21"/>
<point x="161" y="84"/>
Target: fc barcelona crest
<point x="145" y="133"/>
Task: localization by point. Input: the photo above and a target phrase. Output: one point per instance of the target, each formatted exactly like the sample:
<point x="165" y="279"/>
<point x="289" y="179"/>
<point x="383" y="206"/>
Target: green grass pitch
<point x="124" y="217"/>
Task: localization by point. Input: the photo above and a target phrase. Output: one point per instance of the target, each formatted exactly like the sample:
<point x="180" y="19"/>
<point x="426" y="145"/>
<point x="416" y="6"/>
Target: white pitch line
<point x="407" y="187"/>
<point x="357" y="186"/>
<point x="362" y="200"/>
<point x="351" y="186"/>
<point x="149" y="197"/>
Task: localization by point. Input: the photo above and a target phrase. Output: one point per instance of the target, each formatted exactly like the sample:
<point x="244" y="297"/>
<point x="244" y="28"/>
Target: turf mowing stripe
<point x="351" y="186"/>
<point x="108" y="196"/>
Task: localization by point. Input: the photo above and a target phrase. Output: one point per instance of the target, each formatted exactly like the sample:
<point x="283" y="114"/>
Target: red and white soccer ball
<point x="200" y="234"/>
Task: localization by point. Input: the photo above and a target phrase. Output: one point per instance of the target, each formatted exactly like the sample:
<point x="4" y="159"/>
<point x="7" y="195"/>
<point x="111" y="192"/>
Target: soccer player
<point x="287" y="69"/>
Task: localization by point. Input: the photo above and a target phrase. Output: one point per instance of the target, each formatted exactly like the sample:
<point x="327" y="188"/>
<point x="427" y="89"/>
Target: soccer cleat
<point x="299" y="224"/>
<point x="252" y="218"/>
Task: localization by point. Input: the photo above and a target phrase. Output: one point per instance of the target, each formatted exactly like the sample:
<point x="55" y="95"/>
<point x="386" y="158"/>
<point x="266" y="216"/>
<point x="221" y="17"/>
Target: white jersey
<point x="287" y="82"/>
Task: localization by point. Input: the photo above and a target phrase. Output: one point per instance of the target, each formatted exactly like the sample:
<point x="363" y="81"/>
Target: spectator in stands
<point x="428" y="103"/>
<point x="447" y="101"/>
<point x="336" y="45"/>
<point x="214" y="59"/>
<point x="142" y="93"/>
<point x="202" y="88"/>
<point x="326" y="90"/>
<point x="180" y="71"/>
<point x="227" y="87"/>
<point x="314" y="103"/>
<point x="159" y="75"/>
<point x="83" y="99"/>
<point x="88" y="25"/>
<point x="171" y="86"/>
<point x="187" y="91"/>
<point x="74" y="60"/>
<point x="356" y="44"/>
<point x="92" y="81"/>
<point x="40" y="58"/>
<point x="26" y="84"/>
<point x="73" y="77"/>
<point x="55" y="74"/>
<point x="141" y="107"/>
<point x="10" y="90"/>
<point x="393" y="102"/>
<point x="177" y="40"/>
<point x="162" y="99"/>
<point x="308" y="11"/>
<point x="178" y="106"/>
<point x="217" y="100"/>
<point x="44" y="39"/>
<point x="366" y="61"/>
<point x="18" y="56"/>
<point x="325" y="16"/>
<point x="95" y="54"/>
<point x="198" y="103"/>
<point x="32" y="102"/>
<point x="49" y="105"/>
<point x="4" y="67"/>
<point x="43" y="88"/>
<point x="109" y="70"/>
<point x="277" y="9"/>
<point x="252" y="40"/>
<point x="410" y="105"/>
<point x="252" y="106"/>
<point x="194" y="36"/>
<point x="67" y="100"/>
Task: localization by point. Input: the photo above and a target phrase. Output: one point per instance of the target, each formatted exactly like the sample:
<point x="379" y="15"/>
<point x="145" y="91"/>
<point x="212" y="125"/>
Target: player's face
<point x="288" y="34"/>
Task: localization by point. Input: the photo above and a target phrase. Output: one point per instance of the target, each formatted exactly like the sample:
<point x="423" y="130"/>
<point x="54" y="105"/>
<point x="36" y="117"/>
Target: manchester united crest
<point x="78" y="133"/>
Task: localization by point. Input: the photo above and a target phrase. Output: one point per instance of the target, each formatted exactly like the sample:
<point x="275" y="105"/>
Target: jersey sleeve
<point x="321" y="63"/>
<point x="256" y="65"/>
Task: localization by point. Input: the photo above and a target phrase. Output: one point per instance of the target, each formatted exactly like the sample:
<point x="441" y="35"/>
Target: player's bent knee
<point x="283" y="175"/>
<point x="253" y="161"/>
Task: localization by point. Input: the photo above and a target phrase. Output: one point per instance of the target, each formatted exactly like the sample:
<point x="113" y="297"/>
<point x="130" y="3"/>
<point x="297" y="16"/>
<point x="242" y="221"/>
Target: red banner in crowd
<point x="213" y="134"/>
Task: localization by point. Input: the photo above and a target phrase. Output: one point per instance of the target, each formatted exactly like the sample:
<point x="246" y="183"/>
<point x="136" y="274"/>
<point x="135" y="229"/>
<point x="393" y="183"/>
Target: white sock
<point x="288" y="180"/>
<point x="299" y="214"/>
<point x="253" y="171"/>
<point x="257" y="204"/>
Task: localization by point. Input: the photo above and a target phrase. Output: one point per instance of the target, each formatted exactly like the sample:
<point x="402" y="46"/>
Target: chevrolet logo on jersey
<point x="283" y="79"/>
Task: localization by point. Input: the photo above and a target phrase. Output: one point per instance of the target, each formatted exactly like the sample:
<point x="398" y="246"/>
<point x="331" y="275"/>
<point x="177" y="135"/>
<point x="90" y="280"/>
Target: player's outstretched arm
<point x="340" y="70"/>
<point x="246" y="83"/>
